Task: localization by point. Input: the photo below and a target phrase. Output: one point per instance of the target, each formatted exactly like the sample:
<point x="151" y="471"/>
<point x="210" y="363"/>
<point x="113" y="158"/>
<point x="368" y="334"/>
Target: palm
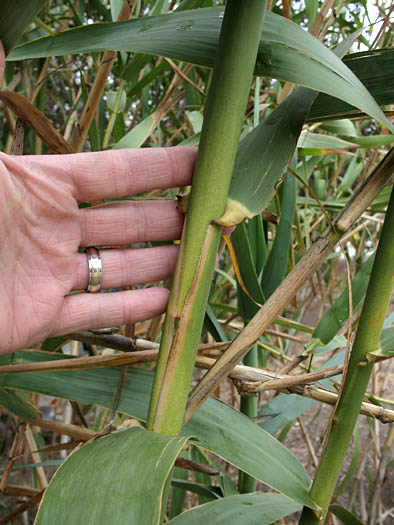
<point x="41" y="228"/>
<point x="41" y="231"/>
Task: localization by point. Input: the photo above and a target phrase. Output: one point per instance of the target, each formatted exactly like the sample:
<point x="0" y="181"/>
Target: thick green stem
<point x="224" y="114"/>
<point x="249" y="407"/>
<point x="358" y="373"/>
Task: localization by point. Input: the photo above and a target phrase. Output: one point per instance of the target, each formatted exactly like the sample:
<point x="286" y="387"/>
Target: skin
<point x="42" y="228"/>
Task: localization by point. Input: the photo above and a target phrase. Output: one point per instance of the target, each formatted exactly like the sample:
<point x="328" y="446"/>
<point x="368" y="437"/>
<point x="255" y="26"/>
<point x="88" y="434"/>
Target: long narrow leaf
<point x="253" y="509"/>
<point x="286" y="51"/>
<point x="15" y="16"/>
<point x="275" y="267"/>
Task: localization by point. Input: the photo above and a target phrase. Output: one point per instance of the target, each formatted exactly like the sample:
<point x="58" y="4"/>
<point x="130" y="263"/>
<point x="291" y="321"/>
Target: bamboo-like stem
<point x="358" y="372"/>
<point x="303" y="270"/>
<point x="249" y="407"/>
<point x="226" y="102"/>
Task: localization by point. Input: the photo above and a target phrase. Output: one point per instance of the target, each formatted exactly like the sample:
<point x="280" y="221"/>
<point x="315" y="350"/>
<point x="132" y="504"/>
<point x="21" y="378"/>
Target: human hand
<point x="41" y="229"/>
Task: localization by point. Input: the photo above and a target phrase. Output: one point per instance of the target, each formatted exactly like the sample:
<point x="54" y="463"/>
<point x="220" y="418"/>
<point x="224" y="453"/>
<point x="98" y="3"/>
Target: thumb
<point x="2" y="61"/>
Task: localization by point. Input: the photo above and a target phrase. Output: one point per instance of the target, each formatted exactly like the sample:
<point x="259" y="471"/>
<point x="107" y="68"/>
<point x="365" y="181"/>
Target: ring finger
<point x="129" y="266"/>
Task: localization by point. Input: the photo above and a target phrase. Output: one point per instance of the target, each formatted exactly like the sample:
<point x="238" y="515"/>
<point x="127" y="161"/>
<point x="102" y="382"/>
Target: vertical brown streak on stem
<point x="183" y="315"/>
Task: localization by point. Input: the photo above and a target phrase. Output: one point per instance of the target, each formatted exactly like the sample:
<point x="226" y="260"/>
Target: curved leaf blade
<point x="103" y="482"/>
<point x="285" y="52"/>
<point x="234" y="437"/>
<point x="253" y="509"/>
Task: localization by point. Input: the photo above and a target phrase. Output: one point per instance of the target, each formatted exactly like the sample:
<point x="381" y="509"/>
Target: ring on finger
<point x="95" y="269"/>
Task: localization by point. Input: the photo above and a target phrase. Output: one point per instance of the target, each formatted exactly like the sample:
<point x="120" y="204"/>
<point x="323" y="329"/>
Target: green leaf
<point x="353" y="171"/>
<point x="198" y="455"/>
<point x="17" y="403"/>
<point x="111" y="101"/>
<point x="205" y="492"/>
<point x="386" y="346"/>
<point x="263" y="156"/>
<point x="118" y="478"/>
<point x="338" y="341"/>
<point x="275" y="267"/>
<point x="344" y="516"/>
<point x="253" y="509"/>
<point x="238" y="440"/>
<point x="281" y="410"/>
<point x="343" y="127"/>
<point x="375" y="70"/>
<point x="219" y="428"/>
<point x="15" y="16"/>
<point x="138" y="135"/>
<point x="213" y="326"/>
<point x="247" y="269"/>
<point x="177" y="493"/>
<point x="53" y="343"/>
<point x="374" y="141"/>
<point x="286" y="51"/>
<point x="323" y="142"/>
<point x="333" y="320"/>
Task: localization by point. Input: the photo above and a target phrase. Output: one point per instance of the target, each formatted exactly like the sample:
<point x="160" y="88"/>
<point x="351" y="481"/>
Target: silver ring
<point x="95" y="269"/>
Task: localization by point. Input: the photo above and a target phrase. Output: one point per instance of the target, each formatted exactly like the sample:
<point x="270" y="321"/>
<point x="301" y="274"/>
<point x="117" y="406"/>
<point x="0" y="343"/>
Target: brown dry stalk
<point x="103" y="338"/>
<point x="35" y="500"/>
<point x="292" y="381"/>
<point x="74" y="431"/>
<point x="317" y="25"/>
<point x="179" y="72"/>
<point x="35" y="456"/>
<point x="37" y="121"/>
<point x="253" y="380"/>
<point x="100" y="80"/>
<point x="299" y="275"/>
<point x="15" y="450"/>
<point x="196" y="467"/>
<point x="20" y="490"/>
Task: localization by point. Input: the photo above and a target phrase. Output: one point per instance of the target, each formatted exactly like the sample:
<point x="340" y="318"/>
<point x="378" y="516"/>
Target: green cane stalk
<point x="237" y="51"/>
<point x="249" y="407"/>
<point x="358" y="373"/>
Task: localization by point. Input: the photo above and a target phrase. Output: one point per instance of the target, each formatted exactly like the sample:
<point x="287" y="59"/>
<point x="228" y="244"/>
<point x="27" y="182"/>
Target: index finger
<point x="117" y="173"/>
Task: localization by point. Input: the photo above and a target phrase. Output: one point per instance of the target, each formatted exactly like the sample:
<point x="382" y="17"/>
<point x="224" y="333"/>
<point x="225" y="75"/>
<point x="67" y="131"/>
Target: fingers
<point x="128" y="267"/>
<point x="127" y="222"/>
<point x="87" y="311"/>
<point x="117" y="173"/>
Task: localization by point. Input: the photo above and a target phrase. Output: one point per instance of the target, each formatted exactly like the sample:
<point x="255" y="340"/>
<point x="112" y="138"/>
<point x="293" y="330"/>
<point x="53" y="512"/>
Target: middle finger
<point x="127" y="222"/>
